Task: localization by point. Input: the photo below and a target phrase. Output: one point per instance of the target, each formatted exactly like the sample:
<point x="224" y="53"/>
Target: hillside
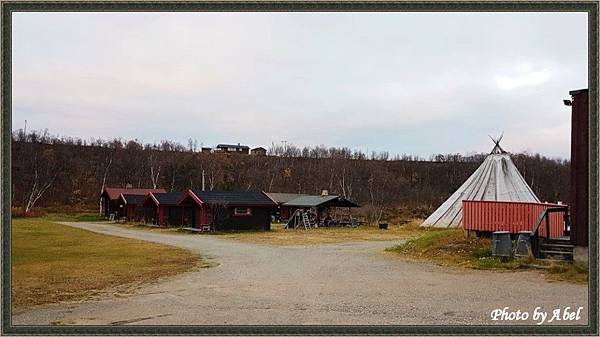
<point x="52" y="172"/>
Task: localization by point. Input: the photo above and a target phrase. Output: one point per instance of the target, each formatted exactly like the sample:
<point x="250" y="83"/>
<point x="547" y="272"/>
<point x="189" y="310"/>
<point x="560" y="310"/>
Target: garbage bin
<point x="501" y="244"/>
<point x="383" y="226"/>
<point x="523" y="244"/>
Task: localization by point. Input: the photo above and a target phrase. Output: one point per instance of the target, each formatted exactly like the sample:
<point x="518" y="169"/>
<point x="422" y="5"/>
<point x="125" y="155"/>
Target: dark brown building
<point x="229" y="210"/>
<point x="579" y="194"/>
<point x="228" y="148"/>
<point x="258" y="151"/>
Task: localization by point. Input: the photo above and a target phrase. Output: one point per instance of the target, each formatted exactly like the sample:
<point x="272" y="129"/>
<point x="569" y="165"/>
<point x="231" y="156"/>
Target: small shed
<point x="230" y="210"/>
<point x="131" y="206"/>
<point x="322" y="204"/>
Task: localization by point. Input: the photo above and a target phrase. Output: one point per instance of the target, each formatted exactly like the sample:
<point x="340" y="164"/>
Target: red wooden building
<point x="163" y="209"/>
<point x="130" y="206"/>
<point x="111" y="201"/>
<point x="511" y="216"/>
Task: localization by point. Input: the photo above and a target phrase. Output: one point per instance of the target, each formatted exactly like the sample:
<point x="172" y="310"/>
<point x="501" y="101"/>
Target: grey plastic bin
<point x="524" y="244"/>
<point x="501" y="244"/>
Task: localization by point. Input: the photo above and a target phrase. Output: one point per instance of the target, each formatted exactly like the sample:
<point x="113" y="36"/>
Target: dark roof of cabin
<point x="115" y="192"/>
<point x="238" y="146"/>
<point x="134" y="198"/>
<point x="259" y="148"/>
<point x="234" y="197"/>
<point x="169" y="198"/>
<point x="281" y="198"/>
<point x="320" y="200"/>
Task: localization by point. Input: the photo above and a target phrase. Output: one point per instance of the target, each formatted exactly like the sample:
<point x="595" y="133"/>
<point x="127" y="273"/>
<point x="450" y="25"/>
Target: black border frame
<point x="591" y="7"/>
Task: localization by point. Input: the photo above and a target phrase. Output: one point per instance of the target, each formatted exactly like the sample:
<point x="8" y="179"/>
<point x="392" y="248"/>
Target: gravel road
<point x="344" y="283"/>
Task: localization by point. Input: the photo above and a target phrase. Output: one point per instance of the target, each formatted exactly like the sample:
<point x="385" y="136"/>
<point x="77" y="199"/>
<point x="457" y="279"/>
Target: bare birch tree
<point x="108" y="163"/>
<point x="155" y="166"/>
<point x="45" y="171"/>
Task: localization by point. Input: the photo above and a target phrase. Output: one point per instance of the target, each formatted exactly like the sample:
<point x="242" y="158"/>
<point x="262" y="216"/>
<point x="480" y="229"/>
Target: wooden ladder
<point x="305" y="220"/>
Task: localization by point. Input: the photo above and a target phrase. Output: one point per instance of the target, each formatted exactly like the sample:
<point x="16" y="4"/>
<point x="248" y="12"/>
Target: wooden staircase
<point x="549" y="248"/>
<point x="556" y="249"/>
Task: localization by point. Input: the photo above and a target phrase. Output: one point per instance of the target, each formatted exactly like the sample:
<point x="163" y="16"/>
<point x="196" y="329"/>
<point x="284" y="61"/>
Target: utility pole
<point x="202" y="179"/>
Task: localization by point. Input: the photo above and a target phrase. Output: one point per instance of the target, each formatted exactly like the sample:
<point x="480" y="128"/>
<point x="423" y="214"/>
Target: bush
<point x="19" y="212"/>
<point x="482" y="252"/>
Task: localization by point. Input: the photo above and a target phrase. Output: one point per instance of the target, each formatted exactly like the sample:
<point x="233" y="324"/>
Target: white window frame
<point x="247" y="212"/>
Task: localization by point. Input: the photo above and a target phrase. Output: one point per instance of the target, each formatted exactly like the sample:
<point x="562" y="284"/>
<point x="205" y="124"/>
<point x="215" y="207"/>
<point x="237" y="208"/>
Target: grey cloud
<point x="418" y="83"/>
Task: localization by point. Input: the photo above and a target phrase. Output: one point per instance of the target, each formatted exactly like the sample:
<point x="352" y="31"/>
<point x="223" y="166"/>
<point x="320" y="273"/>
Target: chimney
<point x="324" y="193"/>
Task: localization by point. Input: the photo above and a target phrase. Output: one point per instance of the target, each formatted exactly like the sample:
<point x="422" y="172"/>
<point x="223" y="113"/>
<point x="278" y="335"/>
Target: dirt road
<point x="344" y="283"/>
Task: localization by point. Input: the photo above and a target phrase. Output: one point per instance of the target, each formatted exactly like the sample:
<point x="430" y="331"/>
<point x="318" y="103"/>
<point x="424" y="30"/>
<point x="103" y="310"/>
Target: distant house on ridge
<point x="259" y="151"/>
<point x="228" y="148"/>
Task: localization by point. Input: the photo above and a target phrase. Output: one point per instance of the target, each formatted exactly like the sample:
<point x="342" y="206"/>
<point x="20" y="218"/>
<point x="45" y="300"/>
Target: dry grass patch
<point x="450" y="247"/>
<point x="279" y="236"/>
<point x="53" y="263"/>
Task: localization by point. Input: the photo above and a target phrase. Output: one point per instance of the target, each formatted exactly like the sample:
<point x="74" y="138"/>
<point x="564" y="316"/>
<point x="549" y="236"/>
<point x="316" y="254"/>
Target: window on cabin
<point x="242" y="211"/>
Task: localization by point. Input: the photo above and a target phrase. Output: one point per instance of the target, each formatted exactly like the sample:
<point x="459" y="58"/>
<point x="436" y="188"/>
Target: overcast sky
<point x="415" y="83"/>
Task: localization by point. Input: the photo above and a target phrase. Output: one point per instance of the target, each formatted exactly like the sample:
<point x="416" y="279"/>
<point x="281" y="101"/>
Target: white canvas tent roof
<point x="497" y="179"/>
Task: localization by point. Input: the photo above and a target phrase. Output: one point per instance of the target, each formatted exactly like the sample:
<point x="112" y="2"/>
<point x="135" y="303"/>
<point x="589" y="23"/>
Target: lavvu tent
<point x="497" y="179"/>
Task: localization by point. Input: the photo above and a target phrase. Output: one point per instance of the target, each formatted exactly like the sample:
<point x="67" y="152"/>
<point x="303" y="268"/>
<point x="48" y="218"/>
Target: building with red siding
<point x="163" y="209"/>
<point x="131" y="206"/>
<point x="111" y="201"/>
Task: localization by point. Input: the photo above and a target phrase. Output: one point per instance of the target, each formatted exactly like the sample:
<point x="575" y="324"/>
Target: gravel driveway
<point x="344" y="283"/>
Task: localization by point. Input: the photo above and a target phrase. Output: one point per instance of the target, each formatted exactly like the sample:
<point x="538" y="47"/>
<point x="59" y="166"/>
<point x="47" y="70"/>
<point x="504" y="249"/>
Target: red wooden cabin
<point x="111" y="196"/>
<point x="163" y="209"/>
<point x="131" y="206"/>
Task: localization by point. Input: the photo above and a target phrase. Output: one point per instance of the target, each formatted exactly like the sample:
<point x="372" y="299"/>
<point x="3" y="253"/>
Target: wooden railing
<point x="545" y="215"/>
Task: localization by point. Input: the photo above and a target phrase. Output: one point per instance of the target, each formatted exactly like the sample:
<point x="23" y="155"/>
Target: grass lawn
<point x="450" y="247"/>
<point x="53" y="263"/>
<point x="92" y="217"/>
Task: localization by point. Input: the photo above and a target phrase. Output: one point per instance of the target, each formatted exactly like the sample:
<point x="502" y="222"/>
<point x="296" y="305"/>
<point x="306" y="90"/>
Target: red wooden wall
<point x="490" y="216"/>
